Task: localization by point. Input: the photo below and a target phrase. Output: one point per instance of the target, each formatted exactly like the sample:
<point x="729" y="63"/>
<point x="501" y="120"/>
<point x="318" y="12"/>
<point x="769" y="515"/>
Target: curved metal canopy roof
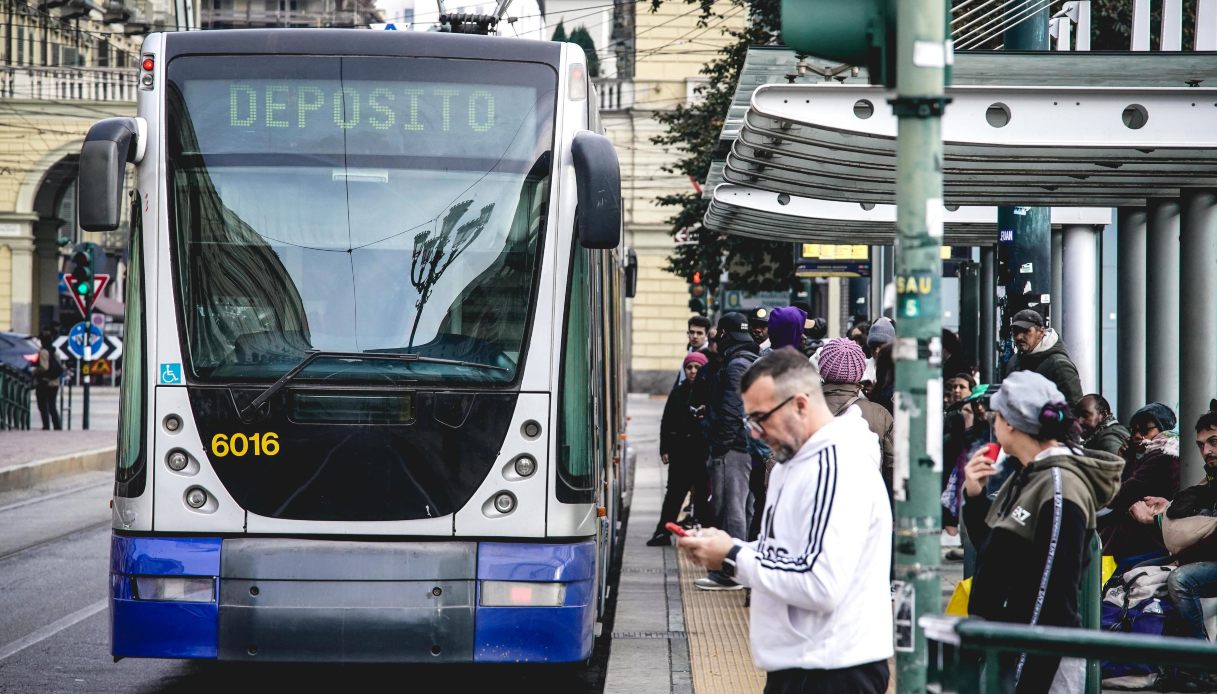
<point x="781" y="217"/>
<point x="803" y="161"/>
<point x="1026" y="145"/>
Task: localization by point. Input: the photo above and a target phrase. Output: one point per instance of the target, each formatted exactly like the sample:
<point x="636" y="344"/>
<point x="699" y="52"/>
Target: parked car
<point x="18" y="351"/>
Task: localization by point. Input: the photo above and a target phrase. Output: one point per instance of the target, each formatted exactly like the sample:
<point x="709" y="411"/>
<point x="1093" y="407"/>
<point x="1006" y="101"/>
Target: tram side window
<point x="575" y="469"/>
<point x="130" y="474"/>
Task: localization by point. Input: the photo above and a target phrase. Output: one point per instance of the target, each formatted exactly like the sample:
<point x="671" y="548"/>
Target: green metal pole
<point x="1024" y="233"/>
<point x="921" y="58"/>
<point x="1092" y="595"/>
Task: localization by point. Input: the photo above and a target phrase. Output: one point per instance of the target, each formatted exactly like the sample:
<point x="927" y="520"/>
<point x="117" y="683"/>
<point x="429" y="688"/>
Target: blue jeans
<point x="1187" y="585"/>
<point x="729" y="492"/>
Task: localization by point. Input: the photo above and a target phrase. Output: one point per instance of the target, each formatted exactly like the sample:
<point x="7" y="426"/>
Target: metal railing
<point x="615" y="94"/>
<point x="15" y="387"/>
<point x="969" y="650"/>
<point x="69" y="83"/>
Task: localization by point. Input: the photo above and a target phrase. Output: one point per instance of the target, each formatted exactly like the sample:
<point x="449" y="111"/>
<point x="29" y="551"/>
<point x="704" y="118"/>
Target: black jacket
<point x="1054" y="364"/>
<point x="1014" y="535"/>
<point x="680" y="431"/>
<point x="726" y="405"/>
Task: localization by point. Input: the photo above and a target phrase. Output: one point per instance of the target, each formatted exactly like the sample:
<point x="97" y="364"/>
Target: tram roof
<point x="419" y="44"/>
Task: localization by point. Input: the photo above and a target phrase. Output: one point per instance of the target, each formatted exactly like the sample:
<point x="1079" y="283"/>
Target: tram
<point x="374" y="398"/>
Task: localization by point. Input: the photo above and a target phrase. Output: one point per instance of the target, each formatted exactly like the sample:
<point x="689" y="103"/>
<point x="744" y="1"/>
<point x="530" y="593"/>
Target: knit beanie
<point x="694" y="358"/>
<point x="1161" y="415"/>
<point x="881" y="333"/>
<point x="786" y="327"/>
<point x="842" y="361"/>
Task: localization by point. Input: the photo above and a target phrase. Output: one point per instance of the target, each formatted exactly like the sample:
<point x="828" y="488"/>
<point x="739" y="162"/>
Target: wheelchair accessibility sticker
<point x="171" y="374"/>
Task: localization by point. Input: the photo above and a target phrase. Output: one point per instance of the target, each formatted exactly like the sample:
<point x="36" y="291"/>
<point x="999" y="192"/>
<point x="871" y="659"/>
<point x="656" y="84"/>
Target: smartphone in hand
<point x="676" y="530"/>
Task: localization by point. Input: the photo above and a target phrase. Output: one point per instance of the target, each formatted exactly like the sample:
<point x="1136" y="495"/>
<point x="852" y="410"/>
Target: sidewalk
<point x="28" y="458"/>
<point x="650" y="650"/>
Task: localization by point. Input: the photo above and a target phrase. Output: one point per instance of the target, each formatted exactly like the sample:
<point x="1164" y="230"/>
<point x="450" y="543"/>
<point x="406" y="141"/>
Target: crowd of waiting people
<point x="765" y="403"/>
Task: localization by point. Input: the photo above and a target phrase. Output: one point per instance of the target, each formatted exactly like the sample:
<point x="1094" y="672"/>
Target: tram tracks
<point x="53" y="516"/>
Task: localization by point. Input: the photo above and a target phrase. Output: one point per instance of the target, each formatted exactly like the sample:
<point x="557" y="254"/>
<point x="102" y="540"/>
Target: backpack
<point x="1136" y="602"/>
<point x="54" y="367"/>
<point x="756" y="447"/>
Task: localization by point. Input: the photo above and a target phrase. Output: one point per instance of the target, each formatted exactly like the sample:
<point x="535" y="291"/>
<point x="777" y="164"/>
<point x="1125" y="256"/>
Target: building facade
<point x="659" y="71"/>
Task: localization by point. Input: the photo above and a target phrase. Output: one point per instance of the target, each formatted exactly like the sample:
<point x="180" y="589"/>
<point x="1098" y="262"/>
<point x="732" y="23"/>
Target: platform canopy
<point x="1003" y="145"/>
<point x="781" y="217"/>
<point x="801" y="160"/>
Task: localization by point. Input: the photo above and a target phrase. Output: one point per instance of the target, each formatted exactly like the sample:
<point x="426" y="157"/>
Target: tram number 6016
<point x="240" y="445"/>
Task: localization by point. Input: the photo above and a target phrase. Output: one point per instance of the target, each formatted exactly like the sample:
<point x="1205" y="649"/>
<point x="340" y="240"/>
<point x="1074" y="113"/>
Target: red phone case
<point x="676" y="529"/>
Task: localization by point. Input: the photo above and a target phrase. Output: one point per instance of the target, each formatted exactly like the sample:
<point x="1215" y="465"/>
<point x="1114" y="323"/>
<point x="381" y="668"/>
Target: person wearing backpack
<point x="46" y="382"/>
<point x="730" y="466"/>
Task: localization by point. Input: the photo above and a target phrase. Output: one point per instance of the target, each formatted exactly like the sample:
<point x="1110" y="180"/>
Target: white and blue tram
<point x="374" y="396"/>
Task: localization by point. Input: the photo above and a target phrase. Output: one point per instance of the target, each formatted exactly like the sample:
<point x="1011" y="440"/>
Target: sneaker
<point x="659" y="539"/>
<point x="709" y="582"/>
<point x="954" y="554"/>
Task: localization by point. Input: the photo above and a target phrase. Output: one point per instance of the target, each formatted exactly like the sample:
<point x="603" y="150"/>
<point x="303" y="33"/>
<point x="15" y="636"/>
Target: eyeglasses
<point x="756" y="423"/>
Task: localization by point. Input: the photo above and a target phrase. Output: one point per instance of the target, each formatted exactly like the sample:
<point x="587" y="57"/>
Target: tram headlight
<point x="505" y="502"/>
<point x="196" y="498"/>
<point x="177" y="460"/>
<point x="522" y="594"/>
<point x="525" y="466"/>
<point x="175" y="588"/>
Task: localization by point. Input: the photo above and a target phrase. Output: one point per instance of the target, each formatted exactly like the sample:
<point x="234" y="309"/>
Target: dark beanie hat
<point x="786" y="326"/>
<point x="1156" y="412"/>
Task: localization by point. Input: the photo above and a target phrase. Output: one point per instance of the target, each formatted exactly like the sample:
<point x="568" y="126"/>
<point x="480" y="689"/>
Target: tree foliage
<point x="692" y="132"/>
<point x="559" y="33"/>
<point x="583" y="38"/>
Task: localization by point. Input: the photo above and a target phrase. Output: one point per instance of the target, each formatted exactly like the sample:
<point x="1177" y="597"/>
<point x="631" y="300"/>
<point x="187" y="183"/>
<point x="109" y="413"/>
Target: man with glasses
<point x="821" y="617"/>
<point x="698" y="334"/>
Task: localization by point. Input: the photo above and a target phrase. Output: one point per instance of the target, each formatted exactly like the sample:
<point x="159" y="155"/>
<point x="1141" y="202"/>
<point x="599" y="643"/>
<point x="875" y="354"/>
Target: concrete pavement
<point x="29" y="458"/>
<point x="650" y="651"/>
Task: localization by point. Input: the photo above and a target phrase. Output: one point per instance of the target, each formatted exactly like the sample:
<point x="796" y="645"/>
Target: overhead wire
<point x="983" y="4"/>
<point x="1022" y="14"/>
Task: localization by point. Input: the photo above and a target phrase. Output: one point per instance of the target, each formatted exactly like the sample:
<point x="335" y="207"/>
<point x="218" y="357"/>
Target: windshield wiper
<point x="315" y="354"/>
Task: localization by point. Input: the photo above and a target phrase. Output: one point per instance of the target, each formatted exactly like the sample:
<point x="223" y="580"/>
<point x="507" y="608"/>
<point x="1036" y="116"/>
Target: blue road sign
<point x="76" y="342"/>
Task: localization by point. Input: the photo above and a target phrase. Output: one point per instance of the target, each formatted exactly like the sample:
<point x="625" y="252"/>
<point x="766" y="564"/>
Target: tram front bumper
<point x="293" y="600"/>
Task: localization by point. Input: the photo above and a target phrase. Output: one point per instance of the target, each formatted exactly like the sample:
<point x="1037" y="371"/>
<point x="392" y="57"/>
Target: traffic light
<point x="697" y="294"/>
<point x="80" y="279"/>
<point x="856" y="32"/>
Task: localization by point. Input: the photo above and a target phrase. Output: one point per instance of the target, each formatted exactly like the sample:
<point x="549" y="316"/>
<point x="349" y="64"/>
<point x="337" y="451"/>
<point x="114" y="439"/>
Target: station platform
<point x="669" y="636"/>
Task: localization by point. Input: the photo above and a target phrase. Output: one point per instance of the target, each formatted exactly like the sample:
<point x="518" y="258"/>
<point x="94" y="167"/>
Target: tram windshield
<point x="358" y="205"/>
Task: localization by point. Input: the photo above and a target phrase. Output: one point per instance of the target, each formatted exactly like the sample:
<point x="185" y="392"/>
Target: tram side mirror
<point x="109" y="146"/>
<point x="598" y="179"/>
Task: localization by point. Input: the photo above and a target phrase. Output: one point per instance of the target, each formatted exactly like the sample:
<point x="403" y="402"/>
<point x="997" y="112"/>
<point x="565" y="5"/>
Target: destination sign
<point x="304" y="107"/>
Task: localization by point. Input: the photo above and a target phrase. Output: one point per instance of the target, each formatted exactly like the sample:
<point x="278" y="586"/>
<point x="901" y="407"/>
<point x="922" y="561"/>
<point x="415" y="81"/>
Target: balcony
<point x="68" y="83"/>
<point x="615" y="94"/>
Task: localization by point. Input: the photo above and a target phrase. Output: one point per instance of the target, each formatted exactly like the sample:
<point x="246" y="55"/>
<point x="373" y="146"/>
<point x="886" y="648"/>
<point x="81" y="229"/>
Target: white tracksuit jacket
<point x="819" y="571"/>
